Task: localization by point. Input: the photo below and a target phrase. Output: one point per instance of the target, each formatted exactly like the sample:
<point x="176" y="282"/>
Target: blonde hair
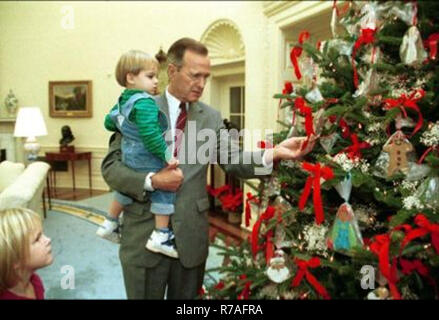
<point x="133" y="62"/>
<point x="16" y="226"/>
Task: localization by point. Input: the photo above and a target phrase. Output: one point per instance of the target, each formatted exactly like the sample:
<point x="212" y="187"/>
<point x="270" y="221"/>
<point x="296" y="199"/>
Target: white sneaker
<point x="161" y="242"/>
<point x="108" y="230"/>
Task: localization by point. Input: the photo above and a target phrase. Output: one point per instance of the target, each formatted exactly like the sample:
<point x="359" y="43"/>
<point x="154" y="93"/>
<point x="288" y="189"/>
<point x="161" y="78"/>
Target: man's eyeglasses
<point x="196" y="77"/>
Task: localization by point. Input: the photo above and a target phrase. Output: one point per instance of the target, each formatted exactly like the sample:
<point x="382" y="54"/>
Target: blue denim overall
<point x="135" y="155"/>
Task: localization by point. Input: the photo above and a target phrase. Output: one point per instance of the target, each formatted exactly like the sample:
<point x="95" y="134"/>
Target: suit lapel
<point x="163" y="105"/>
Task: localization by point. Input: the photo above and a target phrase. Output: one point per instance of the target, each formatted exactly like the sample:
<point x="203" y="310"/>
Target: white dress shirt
<point x="174" y="112"/>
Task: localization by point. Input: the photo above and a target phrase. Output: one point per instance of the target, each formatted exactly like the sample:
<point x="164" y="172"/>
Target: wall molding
<point x="271" y="8"/>
<point x="224" y="41"/>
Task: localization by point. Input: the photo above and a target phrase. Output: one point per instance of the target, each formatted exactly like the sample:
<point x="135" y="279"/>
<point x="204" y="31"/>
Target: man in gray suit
<point x="149" y="275"/>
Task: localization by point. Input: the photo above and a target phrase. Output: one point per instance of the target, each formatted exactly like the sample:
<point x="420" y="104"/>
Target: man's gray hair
<point x="177" y="50"/>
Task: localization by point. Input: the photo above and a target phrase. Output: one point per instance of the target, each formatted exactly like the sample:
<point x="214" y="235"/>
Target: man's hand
<point x="290" y="149"/>
<point x="169" y="178"/>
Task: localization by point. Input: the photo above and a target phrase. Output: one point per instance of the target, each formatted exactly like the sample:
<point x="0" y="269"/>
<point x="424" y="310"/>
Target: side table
<point x="72" y="157"/>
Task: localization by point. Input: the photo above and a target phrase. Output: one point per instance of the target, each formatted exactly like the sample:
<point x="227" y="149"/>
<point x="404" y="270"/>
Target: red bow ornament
<point x="431" y="43"/>
<point x="304" y="272"/>
<point x="425" y="227"/>
<point x="313" y="181"/>
<point x="296" y="52"/>
<point x="254" y="199"/>
<point x="266" y="216"/>
<point x="367" y="37"/>
<point x="306" y="111"/>
<point x="381" y="247"/>
<point x="354" y="151"/>
<point x="408" y="102"/>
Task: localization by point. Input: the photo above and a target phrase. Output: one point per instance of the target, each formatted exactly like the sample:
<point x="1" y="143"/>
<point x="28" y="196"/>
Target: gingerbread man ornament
<point x="398" y="146"/>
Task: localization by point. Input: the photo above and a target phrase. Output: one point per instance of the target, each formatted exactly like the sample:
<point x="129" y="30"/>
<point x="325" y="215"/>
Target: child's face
<point x="146" y="80"/>
<point x="40" y="250"/>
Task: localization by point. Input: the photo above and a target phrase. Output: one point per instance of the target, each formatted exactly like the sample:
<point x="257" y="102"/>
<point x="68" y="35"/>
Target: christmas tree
<point x="358" y="217"/>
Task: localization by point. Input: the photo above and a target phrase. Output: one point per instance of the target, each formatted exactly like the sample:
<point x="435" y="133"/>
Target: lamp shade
<point x="30" y="123"/>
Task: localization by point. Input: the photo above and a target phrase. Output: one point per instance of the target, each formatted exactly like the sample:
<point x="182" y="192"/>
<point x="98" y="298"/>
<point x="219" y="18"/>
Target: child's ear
<point x="130" y="78"/>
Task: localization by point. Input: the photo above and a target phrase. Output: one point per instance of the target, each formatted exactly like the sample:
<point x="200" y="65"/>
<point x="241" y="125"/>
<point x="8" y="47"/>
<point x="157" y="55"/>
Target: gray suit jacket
<point x="190" y="221"/>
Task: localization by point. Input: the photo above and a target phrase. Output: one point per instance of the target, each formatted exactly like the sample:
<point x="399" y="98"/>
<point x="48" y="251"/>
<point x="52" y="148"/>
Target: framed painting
<point x="70" y="99"/>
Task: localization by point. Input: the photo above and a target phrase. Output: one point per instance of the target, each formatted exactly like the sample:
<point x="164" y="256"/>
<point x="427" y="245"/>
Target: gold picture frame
<point x="70" y="99"/>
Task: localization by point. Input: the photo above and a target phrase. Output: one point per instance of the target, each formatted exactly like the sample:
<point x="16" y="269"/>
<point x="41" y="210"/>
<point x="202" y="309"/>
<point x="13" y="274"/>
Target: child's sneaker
<point x="109" y="230"/>
<point x="161" y="242"/>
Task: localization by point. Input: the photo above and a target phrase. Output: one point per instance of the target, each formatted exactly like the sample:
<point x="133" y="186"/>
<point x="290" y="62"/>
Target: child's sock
<point x="164" y="229"/>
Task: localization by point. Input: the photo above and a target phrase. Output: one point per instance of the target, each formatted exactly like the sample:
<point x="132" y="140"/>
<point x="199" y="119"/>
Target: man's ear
<point x="172" y="69"/>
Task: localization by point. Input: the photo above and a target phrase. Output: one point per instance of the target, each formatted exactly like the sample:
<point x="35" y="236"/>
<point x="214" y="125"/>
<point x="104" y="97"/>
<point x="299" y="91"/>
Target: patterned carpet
<point x="77" y="251"/>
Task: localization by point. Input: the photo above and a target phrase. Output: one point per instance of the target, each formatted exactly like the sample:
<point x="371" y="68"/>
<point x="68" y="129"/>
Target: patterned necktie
<point x="179" y="127"/>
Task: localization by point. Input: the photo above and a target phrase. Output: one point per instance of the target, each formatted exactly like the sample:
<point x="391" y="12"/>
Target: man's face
<point x="187" y="82"/>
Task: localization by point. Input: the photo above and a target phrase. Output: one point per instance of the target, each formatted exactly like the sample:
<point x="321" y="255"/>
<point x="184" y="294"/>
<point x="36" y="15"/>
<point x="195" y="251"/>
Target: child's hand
<point x="173" y="163"/>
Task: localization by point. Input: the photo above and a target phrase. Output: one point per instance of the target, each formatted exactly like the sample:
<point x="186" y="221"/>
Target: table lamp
<point x="30" y="124"/>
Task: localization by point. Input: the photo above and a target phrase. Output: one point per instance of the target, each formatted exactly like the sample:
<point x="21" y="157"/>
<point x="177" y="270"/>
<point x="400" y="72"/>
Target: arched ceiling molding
<point x="224" y="41"/>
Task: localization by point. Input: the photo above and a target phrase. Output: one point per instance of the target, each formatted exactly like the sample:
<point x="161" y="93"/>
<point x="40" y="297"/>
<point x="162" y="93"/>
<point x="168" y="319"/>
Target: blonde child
<point x="142" y="124"/>
<point x="23" y="249"/>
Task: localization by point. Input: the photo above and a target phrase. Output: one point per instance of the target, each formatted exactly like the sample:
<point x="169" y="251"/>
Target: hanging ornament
<point x="307" y="67"/>
<point x="369" y="84"/>
<point x="380" y="293"/>
<point x="273" y="187"/>
<point x="398" y="147"/>
<point x="318" y="173"/>
<point x="296" y="52"/>
<point x="345" y="233"/>
<point x="278" y="272"/>
<point x="328" y="142"/>
<point x="370" y="16"/>
<point x="412" y="50"/>
<point x="428" y="193"/>
<point x="314" y="95"/>
<point x="406" y="12"/>
<point x="281" y="206"/>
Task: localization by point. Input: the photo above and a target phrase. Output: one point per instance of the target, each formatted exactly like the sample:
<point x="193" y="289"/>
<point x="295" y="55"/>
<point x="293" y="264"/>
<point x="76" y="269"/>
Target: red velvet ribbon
<point x="269" y="250"/>
<point x="296" y="52"/>
<point x="250" y="197"/>
<point x="425" y="227"/>
<point x="431" y="43"/>
<point x="220" y="285"/>
<point x="367" y="37"/>
<point x="266" y="216"/>
<point x="345" y="130"/>
<point x="421" y="159"/>
<point x="288" y="89"/>
<point x="230" y="201"/>
<point x="408" y="102"/>
<point x="245" y="293"/>
<point x="408" y="267"/>
<point x="380" y="247"/>
<point x="303" y="271"/>
<point x="306" y="111"/>
<point x="215" y="192"/>
<point x="354" y="151"/>
<point x="314" y="181"/>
